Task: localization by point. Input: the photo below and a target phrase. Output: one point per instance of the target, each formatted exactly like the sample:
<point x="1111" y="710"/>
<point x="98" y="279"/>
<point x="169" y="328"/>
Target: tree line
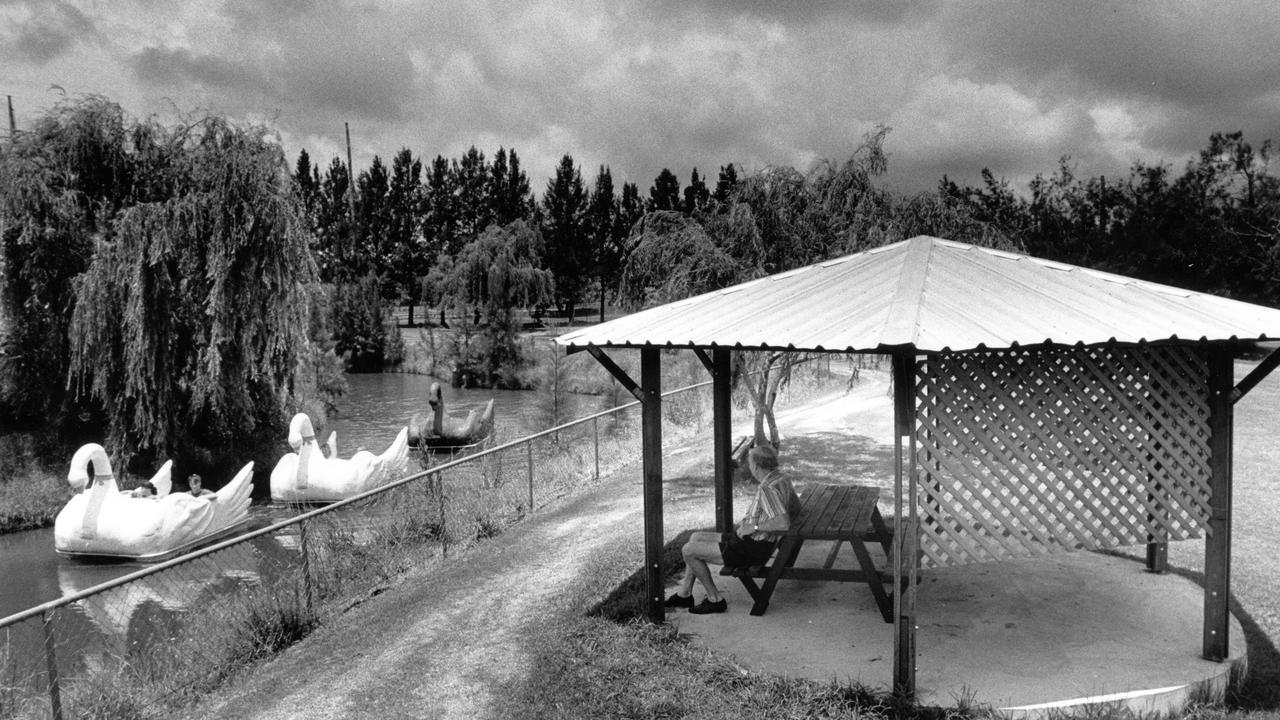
<point x="181" y="289"/>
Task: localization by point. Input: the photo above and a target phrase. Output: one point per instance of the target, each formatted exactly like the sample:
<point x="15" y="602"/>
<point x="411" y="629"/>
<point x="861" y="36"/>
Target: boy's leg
<point x="702" y="548"/>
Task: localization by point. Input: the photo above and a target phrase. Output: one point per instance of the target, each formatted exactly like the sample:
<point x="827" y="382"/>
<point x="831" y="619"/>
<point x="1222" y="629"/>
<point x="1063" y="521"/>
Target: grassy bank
<point x="31" y="491"/>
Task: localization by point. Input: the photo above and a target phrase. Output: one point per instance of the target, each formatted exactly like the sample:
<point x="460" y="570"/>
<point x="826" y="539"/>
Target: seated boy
<point x="768" y="516"/>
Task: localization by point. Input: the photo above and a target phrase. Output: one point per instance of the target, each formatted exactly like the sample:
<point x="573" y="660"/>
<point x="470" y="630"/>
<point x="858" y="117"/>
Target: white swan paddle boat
<point x="306" y="476"/>
<point x="101" y="521"/>
<point x="446" y="434"/>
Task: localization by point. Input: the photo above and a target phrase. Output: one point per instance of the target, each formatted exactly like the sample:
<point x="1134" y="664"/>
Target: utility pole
<point x="13" y="126"/>
<point x="350" y="241"/>
<point x="351" y="175"/>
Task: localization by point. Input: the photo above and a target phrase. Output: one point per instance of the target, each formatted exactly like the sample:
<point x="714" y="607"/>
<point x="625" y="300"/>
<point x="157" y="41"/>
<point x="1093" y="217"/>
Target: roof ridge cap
<point x="900" y="327"/>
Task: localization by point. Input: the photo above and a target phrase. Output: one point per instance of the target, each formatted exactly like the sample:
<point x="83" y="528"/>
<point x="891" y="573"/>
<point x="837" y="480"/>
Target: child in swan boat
<point x="193" y="482"/>
<point x="145" y="490"/>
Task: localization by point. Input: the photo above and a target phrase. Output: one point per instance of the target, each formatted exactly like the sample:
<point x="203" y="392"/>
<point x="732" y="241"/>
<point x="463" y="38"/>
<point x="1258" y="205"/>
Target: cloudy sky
<point x="1011" y="86"/>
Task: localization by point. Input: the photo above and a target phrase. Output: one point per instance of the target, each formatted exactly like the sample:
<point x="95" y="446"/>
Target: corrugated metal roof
<point x="936" y="295"/>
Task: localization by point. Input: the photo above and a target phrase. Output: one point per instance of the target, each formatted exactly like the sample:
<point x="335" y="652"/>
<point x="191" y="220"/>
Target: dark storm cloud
<point x="162" y="66"/>
<point x="799" y="12"/>
<point x="51" y="31"/>
<point x="697" y="83"/>
<point x="363" y="82"/>
<point x="1195" y="66"/>
<point x="284" y="58"/>
<point x="1181" y="53"/>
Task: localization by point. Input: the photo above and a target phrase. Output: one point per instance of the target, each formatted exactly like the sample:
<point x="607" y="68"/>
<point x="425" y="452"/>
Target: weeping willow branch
<point x="190" y="318"/>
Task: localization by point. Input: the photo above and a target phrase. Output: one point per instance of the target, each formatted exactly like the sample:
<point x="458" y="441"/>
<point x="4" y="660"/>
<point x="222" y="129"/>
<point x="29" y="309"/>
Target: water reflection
<point x="187" y="586"/>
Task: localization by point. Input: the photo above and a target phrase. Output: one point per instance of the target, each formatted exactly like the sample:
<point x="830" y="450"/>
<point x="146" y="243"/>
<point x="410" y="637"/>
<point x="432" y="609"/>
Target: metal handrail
<point x="39" y="610"/>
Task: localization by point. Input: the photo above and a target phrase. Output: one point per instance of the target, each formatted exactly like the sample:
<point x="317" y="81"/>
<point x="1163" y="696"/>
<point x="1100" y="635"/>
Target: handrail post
<point x="529" y="448"/>
<point x="595" y="430"/>
<point x="51" y="662"/>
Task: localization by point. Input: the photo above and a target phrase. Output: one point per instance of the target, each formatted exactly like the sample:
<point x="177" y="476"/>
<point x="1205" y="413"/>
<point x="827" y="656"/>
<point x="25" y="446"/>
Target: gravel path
<point x="435" y="644"/>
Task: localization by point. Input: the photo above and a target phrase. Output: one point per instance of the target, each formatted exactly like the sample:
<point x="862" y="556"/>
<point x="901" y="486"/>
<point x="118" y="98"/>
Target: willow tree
<point x="191" y="320"/>
<point x="676" y="257"/>
<point x="60" y="183"/>
<point x="491" y="278"/>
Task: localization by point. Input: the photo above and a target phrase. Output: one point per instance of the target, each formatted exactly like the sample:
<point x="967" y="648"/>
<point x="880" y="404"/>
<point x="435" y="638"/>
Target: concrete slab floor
<point x="1022" y="636"/>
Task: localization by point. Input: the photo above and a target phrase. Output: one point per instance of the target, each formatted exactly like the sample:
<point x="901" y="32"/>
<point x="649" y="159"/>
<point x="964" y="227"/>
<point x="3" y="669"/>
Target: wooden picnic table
<point x="838" y="513"/>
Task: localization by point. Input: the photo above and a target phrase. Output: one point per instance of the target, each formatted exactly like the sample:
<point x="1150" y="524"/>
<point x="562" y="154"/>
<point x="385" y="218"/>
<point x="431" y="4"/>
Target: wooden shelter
<point x="1039" y="407"/>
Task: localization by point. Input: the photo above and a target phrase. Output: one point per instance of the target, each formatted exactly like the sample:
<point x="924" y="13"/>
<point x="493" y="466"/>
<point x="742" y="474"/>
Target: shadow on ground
<point x="837" y="458"/>
<point x="626" y="601"/>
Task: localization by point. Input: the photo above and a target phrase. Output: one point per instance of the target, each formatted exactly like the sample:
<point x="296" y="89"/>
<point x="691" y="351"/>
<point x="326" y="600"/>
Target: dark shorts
<point x="745" y="552"/>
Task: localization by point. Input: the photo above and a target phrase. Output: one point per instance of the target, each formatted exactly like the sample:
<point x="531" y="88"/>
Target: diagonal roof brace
<point x="1255" y="376"/>
<point x="706" y="360"/>
<point x="618" y="373"/>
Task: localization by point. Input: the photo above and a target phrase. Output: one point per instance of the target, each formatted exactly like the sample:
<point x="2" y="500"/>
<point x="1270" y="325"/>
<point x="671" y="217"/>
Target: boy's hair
<point x="765" y="456"/>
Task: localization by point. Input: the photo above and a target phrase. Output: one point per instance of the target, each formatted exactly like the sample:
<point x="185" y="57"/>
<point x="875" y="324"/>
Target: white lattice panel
<point x="1026" y="452"/>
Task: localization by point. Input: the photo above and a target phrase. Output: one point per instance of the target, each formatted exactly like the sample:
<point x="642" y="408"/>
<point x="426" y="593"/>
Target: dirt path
<point x="436" y="644"/>
<point x="439" y="642"/>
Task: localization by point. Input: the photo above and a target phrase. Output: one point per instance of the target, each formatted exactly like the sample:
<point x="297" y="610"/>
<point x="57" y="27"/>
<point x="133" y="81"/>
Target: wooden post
<point x="905" y="556"/>
<point x="529" y="454"/>
<point x="1217" y="544"/>
<point x="1157" y="549"/>
<point x="51" y="664"/>
<point x="722" y="431"/>
<point x="651" y="433"/>
<point x="306" y="567"/>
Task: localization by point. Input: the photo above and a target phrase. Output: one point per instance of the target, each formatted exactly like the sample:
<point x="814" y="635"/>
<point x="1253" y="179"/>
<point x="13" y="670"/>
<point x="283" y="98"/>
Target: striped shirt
<point x="775" y="496"/>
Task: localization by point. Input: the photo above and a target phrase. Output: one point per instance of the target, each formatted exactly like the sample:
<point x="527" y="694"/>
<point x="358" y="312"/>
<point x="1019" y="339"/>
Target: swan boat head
<point x="78" y="475"/>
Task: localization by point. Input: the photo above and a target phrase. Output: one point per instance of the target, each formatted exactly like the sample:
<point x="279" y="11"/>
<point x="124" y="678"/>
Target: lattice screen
<point x="1026" y="452"/>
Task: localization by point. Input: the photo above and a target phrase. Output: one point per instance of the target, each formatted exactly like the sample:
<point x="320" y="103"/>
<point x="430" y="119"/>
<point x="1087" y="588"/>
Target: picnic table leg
<point x="882" y="533"/>
<point x="831" y="555"/>
<point x="785" y="558"/>
<point x="873" y="580"/>
<point x="752" y="588"/>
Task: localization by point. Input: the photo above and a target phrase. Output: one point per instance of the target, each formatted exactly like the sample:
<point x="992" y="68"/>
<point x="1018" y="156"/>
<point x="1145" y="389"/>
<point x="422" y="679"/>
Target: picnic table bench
<point x="839" y="513"/>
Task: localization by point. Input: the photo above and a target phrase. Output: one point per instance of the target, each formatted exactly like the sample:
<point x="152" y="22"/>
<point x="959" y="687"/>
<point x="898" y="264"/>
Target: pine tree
<point x="630" y="210"/>
<point x="372" y="242"/>
<point x="509" y="195"/>
<point x="564" y="206"/>
<point x="440" y="221"/>
<point x="472" y="187"/>
<point x="601" y="219"/>
<point x="726" y="184"/>
<point x="405" y="210"/>
<point x="306" y="181"/>
<point x="334" y="225"/>
<point x="665" y="193"/>
<point x="696" y="195"/>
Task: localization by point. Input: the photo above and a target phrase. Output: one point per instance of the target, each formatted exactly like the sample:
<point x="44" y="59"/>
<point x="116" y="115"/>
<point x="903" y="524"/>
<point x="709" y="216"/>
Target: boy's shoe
<point x="706" y="607"/>
<point x="676" y="600"/>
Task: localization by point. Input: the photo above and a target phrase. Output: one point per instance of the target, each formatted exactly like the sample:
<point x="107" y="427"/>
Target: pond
<point x="368" y="417"/>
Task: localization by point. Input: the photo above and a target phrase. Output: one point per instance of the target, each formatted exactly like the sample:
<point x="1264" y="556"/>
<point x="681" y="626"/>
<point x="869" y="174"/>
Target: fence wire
<point x="156" y="639"/>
